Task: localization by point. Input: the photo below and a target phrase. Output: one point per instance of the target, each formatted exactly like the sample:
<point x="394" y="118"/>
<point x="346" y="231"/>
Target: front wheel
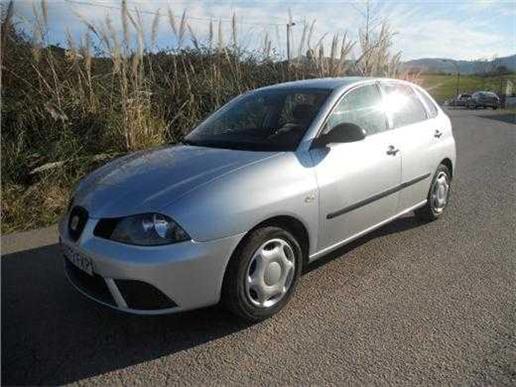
<point x="262" y="274"/>
<point x="438" y="195"/>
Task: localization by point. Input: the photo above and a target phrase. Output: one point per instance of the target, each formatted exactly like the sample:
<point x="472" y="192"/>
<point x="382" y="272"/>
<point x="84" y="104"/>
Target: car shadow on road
<point x="406" y="222"/>
<point x="53" y="335"/>
<point x="509" y="118"/>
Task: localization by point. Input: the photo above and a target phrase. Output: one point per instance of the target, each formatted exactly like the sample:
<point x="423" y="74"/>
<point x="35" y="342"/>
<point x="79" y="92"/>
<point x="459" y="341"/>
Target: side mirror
<point x="345" y="132"/>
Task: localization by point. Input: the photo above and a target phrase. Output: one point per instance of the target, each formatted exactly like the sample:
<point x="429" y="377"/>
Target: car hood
<point x="151" y="180"/>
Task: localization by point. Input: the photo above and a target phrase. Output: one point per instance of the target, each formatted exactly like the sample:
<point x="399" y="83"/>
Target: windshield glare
<point x="262" y="120"/>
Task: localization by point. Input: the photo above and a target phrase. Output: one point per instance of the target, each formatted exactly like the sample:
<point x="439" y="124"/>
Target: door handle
<point x="437" y="134"/>
<point x="392" y="150"/>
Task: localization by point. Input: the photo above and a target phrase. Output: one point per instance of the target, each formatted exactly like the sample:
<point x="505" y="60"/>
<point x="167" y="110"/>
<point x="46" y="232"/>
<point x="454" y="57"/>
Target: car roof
<point x="319" y="83"/>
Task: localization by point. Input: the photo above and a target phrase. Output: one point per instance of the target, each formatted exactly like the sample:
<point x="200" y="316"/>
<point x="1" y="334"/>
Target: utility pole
<point x="458" y="78"/>
<point x="289" y="25"/>
<point x="453" y="62"/>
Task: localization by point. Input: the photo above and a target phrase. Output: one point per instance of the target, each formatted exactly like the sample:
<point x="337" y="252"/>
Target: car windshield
<point x="262" y="120"/>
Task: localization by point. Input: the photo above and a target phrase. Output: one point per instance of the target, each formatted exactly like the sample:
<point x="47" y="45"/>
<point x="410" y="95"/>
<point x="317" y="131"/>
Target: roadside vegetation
<point x="67" y="110"/>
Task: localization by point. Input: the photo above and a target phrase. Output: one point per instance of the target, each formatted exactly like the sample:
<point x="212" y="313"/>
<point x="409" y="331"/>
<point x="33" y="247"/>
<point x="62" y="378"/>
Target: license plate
<point x="79" y="260"/>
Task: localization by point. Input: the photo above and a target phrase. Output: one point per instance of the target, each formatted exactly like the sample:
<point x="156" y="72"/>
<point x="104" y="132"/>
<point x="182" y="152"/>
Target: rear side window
<point x="430" y="104"/>
<point x="402" y="103"/>
<point x="361" y="106"/>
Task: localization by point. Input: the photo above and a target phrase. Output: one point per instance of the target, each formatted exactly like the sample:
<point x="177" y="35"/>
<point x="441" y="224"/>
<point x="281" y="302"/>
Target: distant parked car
<point x="483" y="99"/>
<point x="460" y="100"/>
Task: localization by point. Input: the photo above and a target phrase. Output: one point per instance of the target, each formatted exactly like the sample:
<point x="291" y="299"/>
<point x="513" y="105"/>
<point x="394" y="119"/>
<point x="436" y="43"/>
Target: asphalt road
<point x="410" y="304"/>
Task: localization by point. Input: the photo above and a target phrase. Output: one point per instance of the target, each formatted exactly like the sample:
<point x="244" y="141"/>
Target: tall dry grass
<point x="66" y="111"/>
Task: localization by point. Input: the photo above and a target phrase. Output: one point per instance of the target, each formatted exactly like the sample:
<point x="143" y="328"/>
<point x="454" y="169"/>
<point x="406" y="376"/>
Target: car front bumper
<point x="148" y="279"/>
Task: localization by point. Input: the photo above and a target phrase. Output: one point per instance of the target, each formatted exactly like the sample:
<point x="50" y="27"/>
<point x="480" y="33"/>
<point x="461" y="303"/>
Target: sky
<point x="457" y="29"/>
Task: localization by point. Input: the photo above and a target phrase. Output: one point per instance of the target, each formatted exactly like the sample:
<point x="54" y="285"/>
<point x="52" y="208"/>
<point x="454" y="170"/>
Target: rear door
<point x="413" y="130"/>
<point x="356" y="179"/>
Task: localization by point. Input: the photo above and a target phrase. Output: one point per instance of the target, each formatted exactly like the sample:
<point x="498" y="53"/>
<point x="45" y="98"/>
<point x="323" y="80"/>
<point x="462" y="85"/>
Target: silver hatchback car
<point x="273" y="180"/>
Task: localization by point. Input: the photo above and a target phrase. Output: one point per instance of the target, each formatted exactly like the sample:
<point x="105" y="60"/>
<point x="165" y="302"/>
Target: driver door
<point x="357" y="180"/>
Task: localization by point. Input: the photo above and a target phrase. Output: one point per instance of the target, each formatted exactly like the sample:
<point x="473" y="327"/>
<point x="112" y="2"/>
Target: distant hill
<point x="441" y="65"/>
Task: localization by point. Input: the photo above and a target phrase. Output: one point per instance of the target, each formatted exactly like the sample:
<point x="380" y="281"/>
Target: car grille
<point x="76" y="222"/>
<point x="93" y="285"/>
<point x="143" y="296"/>
<point x="137" y="294"/>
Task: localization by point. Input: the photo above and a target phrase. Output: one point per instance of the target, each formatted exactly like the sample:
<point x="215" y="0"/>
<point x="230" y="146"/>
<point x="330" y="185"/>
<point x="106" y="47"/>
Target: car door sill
<point x="361" y="233"/>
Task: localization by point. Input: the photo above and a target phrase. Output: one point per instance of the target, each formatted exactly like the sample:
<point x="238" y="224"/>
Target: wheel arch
<point x="288" y="222"/>
<point x="295" y="227"/>
<point x="448" y="163"/>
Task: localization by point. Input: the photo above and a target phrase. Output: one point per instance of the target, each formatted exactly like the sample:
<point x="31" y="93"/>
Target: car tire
<point x="257" y="269"/>
<point x="438" y="195"/>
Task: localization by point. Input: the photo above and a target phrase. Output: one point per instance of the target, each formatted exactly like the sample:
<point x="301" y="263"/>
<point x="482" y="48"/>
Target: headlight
<point x="145" y="229"/>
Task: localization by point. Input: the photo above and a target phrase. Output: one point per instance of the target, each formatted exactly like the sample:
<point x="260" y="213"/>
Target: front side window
<point x="263" y="120"/>
<point x="403" y="105"/>
<point x="363" y="107"/>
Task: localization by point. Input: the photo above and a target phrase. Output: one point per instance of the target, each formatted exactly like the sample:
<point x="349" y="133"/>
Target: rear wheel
<point x="438" y="195"/>
<point x="262" y="274"/>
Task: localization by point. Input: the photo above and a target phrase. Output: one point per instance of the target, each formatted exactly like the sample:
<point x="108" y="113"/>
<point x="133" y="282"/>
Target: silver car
<point x="272" y="181"/>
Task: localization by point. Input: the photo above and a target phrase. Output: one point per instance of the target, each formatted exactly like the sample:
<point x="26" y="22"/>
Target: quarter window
<point x="403" y="105"/>
<point x="362" y="107"/>
<point x="432" y="109"/>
